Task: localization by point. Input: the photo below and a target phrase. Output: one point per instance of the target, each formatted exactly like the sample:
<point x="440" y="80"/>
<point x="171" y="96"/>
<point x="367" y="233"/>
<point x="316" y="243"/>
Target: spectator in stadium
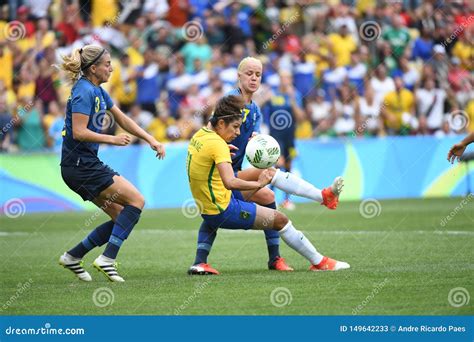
<point x="397" y="36"/>
<point x="30" y="134"/>
<point x="148" y="83"/>
<point x="430" y="107"/>
<point x="398" y="110"/>
<point x="123" y="85"/>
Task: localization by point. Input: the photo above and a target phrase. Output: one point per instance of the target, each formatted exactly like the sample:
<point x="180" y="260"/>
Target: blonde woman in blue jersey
<point x="82" y="170"/>
<point x="212" y="181"/>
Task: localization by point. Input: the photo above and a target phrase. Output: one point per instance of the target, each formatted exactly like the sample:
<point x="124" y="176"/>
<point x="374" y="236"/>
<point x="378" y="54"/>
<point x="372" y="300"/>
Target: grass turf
<point x="403" y="261"/>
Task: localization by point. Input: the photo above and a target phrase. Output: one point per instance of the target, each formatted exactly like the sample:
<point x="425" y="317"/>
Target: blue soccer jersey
<point x="90" y="100"/>
<point x="251" y="119"/>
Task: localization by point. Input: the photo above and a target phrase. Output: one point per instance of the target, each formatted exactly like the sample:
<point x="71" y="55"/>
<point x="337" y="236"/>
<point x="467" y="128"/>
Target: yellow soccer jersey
<point x="207" y="149"/>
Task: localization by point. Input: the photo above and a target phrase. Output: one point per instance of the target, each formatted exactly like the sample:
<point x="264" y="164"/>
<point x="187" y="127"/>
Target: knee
<point x="265" y="197"/>
<point x="280" y="221"/>
<point x="137" y="201"/>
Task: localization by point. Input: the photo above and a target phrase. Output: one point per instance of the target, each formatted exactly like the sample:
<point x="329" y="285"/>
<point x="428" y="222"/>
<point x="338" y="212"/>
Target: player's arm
<point x="233" y="183"/>
<point x="80" y="132"/>
<point x="131" y="127"/>
<point x="458" y="149"/>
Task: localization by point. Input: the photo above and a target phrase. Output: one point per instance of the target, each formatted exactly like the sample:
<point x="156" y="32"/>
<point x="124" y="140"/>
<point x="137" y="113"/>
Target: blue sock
<point x="97" y="237"/>
<point x="206" y="238"/>
<point x="273" y="240"/>
<point x="126" y="220"/>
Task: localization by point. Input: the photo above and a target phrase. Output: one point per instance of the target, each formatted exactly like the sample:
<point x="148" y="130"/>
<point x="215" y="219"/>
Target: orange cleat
<point x="280" y="265"/>
<point x="328" y="264"/>
<point x="331" y="193"/>
<point x="202" y="269"/>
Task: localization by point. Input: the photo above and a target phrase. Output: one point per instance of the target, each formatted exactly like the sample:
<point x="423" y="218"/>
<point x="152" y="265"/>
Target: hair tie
<point x="93" y="61"/>
<point x="80" y="51"/>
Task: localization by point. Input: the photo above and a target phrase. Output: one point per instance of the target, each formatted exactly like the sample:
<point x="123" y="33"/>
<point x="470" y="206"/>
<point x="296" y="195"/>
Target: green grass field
<point x="403" y="262"/>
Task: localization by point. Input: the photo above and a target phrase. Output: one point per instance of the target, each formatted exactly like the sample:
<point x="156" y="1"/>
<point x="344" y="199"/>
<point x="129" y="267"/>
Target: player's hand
<point x="159" y="148"/>
<point x="456" y="152"/>
<point x="232" y="148"/>
<point x="265" y="178"/>
<point x="122" y="139"/>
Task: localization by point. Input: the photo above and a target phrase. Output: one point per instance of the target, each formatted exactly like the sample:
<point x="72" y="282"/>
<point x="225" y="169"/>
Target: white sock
<point x="294" y="185"/>
<point x="296" y="240"/>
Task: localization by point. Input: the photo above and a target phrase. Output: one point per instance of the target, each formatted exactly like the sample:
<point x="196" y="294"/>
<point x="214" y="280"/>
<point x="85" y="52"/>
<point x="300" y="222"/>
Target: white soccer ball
<point x="262" y="151"/>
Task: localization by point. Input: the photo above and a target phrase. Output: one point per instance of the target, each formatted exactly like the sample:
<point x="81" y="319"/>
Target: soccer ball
<point x="262" y="151"/>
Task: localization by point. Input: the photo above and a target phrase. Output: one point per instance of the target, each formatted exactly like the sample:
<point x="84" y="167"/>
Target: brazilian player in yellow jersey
<point x="212" y="181"/>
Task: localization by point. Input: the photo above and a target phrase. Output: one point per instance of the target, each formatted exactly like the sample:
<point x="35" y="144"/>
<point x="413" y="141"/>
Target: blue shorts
<point x="88" y="179"/>
<point x="238" y="215"/>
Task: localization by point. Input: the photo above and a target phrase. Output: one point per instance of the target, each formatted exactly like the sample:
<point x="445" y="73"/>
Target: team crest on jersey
<point x="244" y="215"/>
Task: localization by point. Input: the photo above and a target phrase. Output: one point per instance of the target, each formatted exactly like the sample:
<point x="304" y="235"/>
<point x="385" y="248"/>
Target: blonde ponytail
<point x="81" y="59"/>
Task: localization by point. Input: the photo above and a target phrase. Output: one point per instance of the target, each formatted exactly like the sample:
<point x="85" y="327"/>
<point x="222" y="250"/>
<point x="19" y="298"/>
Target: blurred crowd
<point x="359" y="68"/>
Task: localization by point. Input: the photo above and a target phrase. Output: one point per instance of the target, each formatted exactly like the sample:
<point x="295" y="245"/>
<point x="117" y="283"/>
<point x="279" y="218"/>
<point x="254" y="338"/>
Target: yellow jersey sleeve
<point x="220" y="152"/>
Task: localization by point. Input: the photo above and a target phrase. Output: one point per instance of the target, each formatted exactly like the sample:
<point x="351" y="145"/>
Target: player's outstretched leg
<point x="294" y="185"/>
<point x="294" y="238"/>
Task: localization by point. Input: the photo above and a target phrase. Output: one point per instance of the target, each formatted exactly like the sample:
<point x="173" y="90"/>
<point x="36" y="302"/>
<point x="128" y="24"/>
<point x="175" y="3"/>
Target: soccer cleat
<point x="75" y="266"/>
<point x="328" y="264"/>
<point x="288" y="205"/>
<point x="202" y="269"/>
<point x="279" y="265"/>
<point x="331" y="193"/>
<point x="109" y="269"/>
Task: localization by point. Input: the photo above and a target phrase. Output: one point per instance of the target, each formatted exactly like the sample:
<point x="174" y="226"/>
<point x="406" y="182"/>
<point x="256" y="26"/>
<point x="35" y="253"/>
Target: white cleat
<point x="337" y="185"/>
<point x="108" y="267"/>
<point x="75" y="265"/>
